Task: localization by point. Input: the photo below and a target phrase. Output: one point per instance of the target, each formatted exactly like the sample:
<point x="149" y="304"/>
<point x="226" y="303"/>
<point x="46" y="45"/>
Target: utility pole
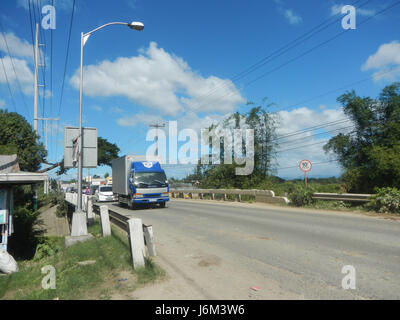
<point x="36" y="88"/>
<point x="156" y="125"/>
<point x="35" y="101"/>
<point x="46" y="183"/>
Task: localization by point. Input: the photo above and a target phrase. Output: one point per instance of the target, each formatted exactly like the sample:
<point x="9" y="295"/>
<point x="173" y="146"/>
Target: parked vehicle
<point x="105" y="193"/>
<point x="139" y="180"/>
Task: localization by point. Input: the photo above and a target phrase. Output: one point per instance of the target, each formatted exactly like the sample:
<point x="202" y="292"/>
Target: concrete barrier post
<point x="238" y="198"/>
<point x="148" y="237"/>
<point x="225" y="197"/>
<point x="136" y="241"/>
<point x="105" y="221"/>
<point x="90" y="213"/>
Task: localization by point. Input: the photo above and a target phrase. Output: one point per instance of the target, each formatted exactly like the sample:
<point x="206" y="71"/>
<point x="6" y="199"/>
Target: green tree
<point x="224" y="175"/>
<point x="107" y="152"/>
<point x="106" y="175"/>
<point x="17" y="135"/>
<point x="370" y="154"/>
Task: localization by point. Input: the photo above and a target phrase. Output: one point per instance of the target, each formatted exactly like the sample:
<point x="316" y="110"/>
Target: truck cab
<point x="148" y="183"/>
<point x="139" y="180"/>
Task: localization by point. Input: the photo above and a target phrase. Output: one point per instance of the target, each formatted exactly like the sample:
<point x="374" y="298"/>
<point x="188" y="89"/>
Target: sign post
<point x="305" y="166"/>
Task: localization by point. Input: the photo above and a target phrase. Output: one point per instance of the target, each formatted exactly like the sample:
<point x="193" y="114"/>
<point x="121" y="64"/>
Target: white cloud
<point x="189" y="120"/>
<point x="140" y="118"/>
<point x="289" y="14"/>
<point x="116" y="110"/>
<point x="300" y="118"/>
<point x="18" y="47"/>
<point x="292" y="17"/>
<point x="58" y="4"/>
<point x="337" y="9"/>
<point x="25" y="75"/>
<point x="366" y="12"/>
<point x="159" y="80"/>
<point x="97" y="108"/>
<point x="385" y="59"/>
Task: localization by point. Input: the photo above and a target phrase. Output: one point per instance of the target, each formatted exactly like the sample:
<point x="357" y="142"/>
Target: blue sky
<point x="184" y="66"/>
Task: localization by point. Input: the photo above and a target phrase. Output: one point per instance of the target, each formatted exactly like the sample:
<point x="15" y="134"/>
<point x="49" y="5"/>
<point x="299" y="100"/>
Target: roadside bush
<point x="47" y="247"/>
<point x="22" y="244"/>
<point x="301" y="196"/>
<point x="62" y="208"/>
<point x="386" y="200"/>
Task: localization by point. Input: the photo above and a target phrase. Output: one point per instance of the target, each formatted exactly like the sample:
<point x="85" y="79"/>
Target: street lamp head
<point x="135" y="25"/>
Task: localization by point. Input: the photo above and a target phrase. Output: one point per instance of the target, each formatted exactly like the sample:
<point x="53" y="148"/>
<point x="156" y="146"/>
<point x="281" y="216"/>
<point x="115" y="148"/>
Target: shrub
<point x="62" y="208"/>
<point x="301" y="196"/>
<point x="27" y="230"/>
<point x="47" y="247"/>
<point x="386" y="200"/>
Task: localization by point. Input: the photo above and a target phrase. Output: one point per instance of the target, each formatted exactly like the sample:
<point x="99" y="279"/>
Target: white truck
<point x="139" y="180"/>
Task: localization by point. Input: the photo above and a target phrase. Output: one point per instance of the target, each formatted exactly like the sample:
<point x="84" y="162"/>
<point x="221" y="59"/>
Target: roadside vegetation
<point x="110" y="274"/>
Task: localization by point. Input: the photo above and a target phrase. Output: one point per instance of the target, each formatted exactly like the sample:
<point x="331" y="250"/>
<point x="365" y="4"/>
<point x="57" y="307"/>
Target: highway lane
<point x="295" y="253"/>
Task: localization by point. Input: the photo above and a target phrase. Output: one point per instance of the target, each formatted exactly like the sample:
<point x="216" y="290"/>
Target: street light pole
<point x="79" y="200"/>
<point x="79" y="226"/>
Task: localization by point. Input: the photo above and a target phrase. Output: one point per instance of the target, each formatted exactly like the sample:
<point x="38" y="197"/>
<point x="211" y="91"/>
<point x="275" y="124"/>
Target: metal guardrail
<point x="343" y="196"/>
<point x="251" y="192"/>
<point x="269" y="195"/>
<point x="117" y="218"/>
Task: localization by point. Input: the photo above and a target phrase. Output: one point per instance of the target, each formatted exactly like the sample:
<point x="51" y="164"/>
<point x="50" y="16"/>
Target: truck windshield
<point x="147" y="179"/>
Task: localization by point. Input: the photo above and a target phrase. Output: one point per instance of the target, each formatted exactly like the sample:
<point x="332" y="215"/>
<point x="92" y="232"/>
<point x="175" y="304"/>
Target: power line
<point x="66" y="57"/>
<point x="282" y="50"/>
<point x="318" y="46"/>
<point x="30" y="24"/>
<point x="313" y="48"/>
<point x="316" y="163"/>
<point x="65" y="68"/>
<point x="13" y="66"/>
<point x="8" y="84"/>
<point x="324" y="125"/>
<point x="318" y="134"/>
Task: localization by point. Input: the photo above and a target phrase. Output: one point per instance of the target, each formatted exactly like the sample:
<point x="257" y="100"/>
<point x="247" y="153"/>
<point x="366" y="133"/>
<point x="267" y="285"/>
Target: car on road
<point x="105" y="193"/>
<point x="93" y="189"/>
<point x="70" y="190"/>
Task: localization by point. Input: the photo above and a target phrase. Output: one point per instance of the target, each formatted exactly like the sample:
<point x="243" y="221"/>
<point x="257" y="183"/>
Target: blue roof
<point x="146" y="166"/>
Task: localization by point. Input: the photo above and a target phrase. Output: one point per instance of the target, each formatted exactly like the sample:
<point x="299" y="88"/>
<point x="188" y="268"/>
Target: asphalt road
<point x="222" y="249"/>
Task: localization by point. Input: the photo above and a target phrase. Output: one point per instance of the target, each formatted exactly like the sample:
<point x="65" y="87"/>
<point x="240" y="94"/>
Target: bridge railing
<point x="139" y="234"/>
<point x="267" y="196"/>
<point x="343" y="196"/>
<point x="259" y="195"/>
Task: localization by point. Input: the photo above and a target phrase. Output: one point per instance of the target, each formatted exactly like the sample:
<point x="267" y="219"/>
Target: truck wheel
<point x="162" y="204"/>
<point x="132" y="205"/>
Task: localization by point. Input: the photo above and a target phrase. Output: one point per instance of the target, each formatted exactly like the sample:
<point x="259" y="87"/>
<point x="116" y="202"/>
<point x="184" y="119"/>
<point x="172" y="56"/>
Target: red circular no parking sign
<point x="305" y="165"/>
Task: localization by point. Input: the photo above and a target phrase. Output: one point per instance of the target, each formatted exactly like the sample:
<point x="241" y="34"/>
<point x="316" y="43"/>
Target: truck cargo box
<point x="120" y="172"/>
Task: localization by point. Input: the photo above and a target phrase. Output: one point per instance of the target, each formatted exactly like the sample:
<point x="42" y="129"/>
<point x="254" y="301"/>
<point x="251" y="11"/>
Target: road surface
<point x="219" y="250"/>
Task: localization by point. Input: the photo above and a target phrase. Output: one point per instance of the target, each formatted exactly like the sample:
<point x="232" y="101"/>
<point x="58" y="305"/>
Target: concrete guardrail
<point x="139" y="235"/>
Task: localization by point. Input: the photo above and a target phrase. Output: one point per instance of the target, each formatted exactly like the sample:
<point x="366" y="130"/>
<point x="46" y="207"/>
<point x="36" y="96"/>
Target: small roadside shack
<point x="11" y="176"/>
